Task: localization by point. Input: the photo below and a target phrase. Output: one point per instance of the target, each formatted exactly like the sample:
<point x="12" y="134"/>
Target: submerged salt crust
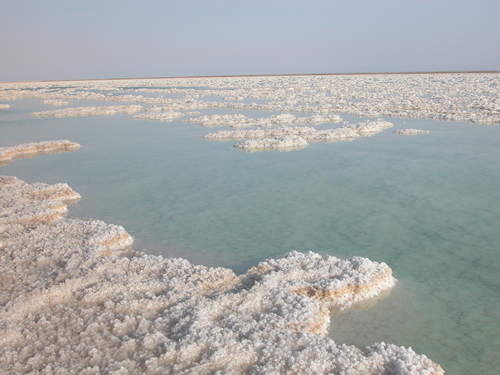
<point x="72" y="301"/>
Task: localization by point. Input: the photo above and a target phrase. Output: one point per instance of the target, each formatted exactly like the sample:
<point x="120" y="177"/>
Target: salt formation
<point x="291" y="138"/>
<point x="55" y="102"/>
<point x="161" y="116"/>
<point x="74" y="299"/>
<point x="411" y="131"/>
<point x="370" y="127"/>
<point x="90" y="111"/>
<point x="285" y="143"/>
<point x="259" y="133"/>
<point x="4" y="106"/>
<point x="7" y="154"/>
<point x="469" y="97"/>
<point x="240" y="121"/>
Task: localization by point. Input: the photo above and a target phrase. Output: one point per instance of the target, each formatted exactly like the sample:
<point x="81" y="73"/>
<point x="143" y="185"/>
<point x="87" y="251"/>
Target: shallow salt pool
<point x="427" y="205"/>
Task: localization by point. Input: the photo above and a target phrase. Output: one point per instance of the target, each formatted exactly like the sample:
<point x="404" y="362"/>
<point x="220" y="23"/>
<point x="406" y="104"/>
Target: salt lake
<point x="427" y="205"/>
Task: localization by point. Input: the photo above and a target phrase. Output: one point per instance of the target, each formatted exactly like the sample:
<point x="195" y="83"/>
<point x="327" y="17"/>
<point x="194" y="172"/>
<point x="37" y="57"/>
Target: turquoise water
<point x="427" y="205"/>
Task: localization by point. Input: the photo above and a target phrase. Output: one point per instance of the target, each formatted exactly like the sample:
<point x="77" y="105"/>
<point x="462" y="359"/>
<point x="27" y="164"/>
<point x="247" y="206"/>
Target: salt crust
<point x="468" y="97"/>
<point x="294" y="138"/>
<point x="287" y="142"/>
<point x="90" y="111"/>
<point x="73" y="302"/>
<point x="8" y="154"/>
<point x="55" y="102"/>
<point x="161" y="116"/>
<point x="240" y="121"/>
<point x="411" y="131"/>
<point x="4" y="106"/>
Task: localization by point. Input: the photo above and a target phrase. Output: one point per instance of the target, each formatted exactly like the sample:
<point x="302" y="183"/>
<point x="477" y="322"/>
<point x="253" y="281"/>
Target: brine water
<point x="427" y="205"/>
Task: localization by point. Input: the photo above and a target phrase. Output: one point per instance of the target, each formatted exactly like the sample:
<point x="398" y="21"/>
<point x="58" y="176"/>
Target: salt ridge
<point x="7" y="154"/>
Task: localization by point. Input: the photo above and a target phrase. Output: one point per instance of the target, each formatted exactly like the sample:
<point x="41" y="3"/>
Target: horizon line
<point x="260" y="75"/>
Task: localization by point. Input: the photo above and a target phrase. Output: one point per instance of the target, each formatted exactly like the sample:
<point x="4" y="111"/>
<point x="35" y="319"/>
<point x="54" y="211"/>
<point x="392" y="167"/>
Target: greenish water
<point x="427" y="205"/>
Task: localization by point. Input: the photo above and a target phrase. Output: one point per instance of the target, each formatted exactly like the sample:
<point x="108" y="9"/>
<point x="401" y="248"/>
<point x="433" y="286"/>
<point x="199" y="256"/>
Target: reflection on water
<point x="428" y="206"/>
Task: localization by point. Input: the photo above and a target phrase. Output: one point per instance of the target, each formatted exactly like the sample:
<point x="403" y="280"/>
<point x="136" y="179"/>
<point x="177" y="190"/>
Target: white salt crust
<point x="159" y="116"/>
<point x="291" y="138"/>
<point x="4" y="106"/>
<point x="7" y="154"/>
<point x="467" y="97"/>
<point x="240" y="121"/>
<point x="55" y="102"/>
<point x="89" y="111"/>
<point x="73" y="301"/>
<point x="411" y="131"/>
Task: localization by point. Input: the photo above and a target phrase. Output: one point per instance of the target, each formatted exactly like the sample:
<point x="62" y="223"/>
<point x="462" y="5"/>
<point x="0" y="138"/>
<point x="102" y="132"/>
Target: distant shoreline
<point x="260" y="75"/>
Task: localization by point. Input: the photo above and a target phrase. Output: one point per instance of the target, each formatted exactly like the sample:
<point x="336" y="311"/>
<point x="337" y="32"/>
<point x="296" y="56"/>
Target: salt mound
<point x="90" y="111"/>
<point x="289" y="142"/>
<point x="8" y="154"/>
<point x="70" y="301"/>
<point x="411" y="131"/>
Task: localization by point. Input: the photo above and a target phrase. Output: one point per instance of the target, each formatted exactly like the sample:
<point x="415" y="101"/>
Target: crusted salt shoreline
<point x="75" y="298"/>
<point x="7" y="154"/>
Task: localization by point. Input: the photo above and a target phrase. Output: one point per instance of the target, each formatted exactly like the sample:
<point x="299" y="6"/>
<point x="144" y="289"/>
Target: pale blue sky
<point x="47" y="39"/>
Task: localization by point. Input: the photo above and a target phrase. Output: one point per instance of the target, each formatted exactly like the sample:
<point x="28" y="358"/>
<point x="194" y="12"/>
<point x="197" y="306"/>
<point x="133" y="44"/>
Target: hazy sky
<point x="46" y="39"/>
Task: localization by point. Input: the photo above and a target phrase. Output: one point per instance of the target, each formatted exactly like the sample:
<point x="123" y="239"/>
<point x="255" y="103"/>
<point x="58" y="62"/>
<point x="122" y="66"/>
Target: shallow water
<point x="427" y="205"/>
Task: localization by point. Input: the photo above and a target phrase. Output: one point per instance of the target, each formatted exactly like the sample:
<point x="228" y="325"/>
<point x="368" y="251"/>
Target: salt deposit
<point x="292" y="138"/>
<point x="240" y="121"/>
<point x="72" y="300"/>
<point x="161" y="116"/>
<point x="259" y="133"/>
<point x="370" y="127"/>
<point x="55" y="102"/>
<point x="284" y="143"/>
<point x="4" y="106"/>
<point x="457" y="97"/>
<point x="90" y="111"/>
<point x="411" y="131"/>
<point x="8" y="154"/>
